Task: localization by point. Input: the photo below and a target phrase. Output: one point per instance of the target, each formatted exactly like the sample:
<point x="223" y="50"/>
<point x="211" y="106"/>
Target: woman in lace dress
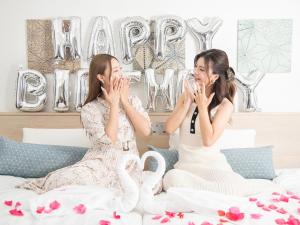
<point x="110" y="117"/>
<point x="201" y="114"/>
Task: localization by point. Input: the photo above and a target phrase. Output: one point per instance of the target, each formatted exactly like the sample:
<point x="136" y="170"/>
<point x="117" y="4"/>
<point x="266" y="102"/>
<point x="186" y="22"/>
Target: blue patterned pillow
<point x="35" y="160"/>
<point x="251" y="163"/>
<point x="170" y="156"/>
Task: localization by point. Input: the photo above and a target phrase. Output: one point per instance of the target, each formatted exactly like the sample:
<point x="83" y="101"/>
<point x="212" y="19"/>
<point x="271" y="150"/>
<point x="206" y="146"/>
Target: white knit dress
<point x="205" y="168"/>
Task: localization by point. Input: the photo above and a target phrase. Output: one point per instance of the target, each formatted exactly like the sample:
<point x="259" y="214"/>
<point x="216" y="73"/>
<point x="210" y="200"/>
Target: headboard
<point x="279" y="129"/>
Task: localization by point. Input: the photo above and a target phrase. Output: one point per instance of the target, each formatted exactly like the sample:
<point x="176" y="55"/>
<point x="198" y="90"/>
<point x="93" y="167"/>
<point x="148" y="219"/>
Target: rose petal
<point x="165" y="220"/>
<point x="280" y="221"/>
<point x="48" y="211"/>
<point x="259" y="204"/>
<point x="298" y="210"/>
<point x="117" y="217"/>
<point x="79" y="209"/>
<point x="266" y="209"/>
<point x="255" y="216"/>
<point x="284" y="198"/>
<point x="272" y="207"/>
<point x="18" y="204"/>
<point x="54" y="205"/>
<point x="16" y="212"/>
<point x="289" y="193"/>
<point x="223" y="221"/>
<point x="232" y="216"/>
<point x="104" y="222"/>
<point x="8" y="203"/>
<point x="281" y="210"/>
<point x="206" y="223"/>
<point x="275" y="200"/>
<point x="234" y="210"/>
<point x="295" y="197"/>
<point x="221" y="213"/>
<point x="170" y="214"/>
<point x="157" y="217"/>
<point x="180" y="215"/>
<point x="40" y="209"/>
<point x="275" y="193"/>
<point x="252" y="199"/>
<point x="191" y="223"/>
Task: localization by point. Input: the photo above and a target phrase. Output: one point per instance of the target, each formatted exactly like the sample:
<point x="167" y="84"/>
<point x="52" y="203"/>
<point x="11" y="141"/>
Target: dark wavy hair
<point x="224" y="86"/>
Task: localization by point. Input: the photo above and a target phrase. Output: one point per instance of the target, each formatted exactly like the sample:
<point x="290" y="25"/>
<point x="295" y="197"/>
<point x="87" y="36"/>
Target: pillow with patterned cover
<point x="35" y="160"/>
<point x="170" y="156"/>
<point x="252" y="163"/>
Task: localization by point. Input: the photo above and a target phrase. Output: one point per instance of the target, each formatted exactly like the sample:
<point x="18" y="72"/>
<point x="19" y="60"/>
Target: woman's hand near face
<point x="113" y="96"/>
<point x="200" y="97"/>
<point x="124" y="92"/>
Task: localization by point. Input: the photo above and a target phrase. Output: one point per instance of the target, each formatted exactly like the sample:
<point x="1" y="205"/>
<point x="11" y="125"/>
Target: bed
<point x="278" y="129"/>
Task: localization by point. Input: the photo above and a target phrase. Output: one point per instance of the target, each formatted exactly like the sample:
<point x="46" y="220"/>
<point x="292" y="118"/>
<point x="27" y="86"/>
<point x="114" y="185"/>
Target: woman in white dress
<point x="110" y="117"/>
<point x="201" y="114"/>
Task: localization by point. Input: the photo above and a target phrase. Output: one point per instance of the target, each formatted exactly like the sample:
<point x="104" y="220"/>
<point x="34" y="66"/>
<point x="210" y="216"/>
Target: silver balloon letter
<point x="134" y="31"/>
<point x="82" y="88"/>
<point x="204" y="31"/>
<point x="31" y="90"/>
<point x="61" y="90"/>
<point x="63" y="39"/>
<point x="168" y="29"/>
<point x="101" y="40"/>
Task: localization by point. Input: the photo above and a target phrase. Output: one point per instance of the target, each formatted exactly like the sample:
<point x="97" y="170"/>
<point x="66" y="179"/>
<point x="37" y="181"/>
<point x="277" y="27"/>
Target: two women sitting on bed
<point x="111" y="117"/>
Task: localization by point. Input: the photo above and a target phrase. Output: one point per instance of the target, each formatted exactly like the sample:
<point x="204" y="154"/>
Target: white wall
<point x="277" y="92"/>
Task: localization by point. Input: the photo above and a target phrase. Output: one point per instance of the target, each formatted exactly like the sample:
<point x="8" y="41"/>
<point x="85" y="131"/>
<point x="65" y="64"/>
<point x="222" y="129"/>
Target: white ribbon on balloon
<point x="31" y="91"/>
<point x="168" y="29"/>
<point x="101" y="40"/>
<point x="133" y="31"/>
<point x="63" y="39"/>
<point x="204" y="31"/>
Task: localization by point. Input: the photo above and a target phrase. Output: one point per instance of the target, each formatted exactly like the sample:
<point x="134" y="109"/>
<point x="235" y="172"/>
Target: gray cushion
<point x="251" y="163"/>
<point x="170" y="156"/>
<point x="35" y="160"/>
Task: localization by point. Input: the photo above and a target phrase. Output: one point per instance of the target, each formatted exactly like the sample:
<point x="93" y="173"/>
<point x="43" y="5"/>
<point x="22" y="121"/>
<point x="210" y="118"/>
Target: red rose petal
<point x="16" y="212"/>
<point x="104" y="222"/>
<point x="284" y="198"/>
<point x="157" y="217"/>
<point x="40" y="209"/>
<point x="272" y="207"/>
<point x="170" y="214"/>
<point x="281" y="210"/>
<point x="117" y="217"/>
<point x="79" y="209"/>
<point x="232" y="216"/>
<point x="165" y="220"/>
<point x="18" y="204"/>
<point x="8" y="203"/>
<point x="180" y="215"/>
<point x="221" y="213"/>
<point x="280" y="221"/>
<point x="54" y="205"/>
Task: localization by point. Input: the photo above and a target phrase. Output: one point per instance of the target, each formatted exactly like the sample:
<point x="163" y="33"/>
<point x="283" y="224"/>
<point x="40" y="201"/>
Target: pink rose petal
<point x="272" y="207"/>
<point x="54" y="205"/>
<point x="275" y="193"/>
<point x="16" y="212"/>
<point x="266" y="209"/>
<point x="295" y="197"/>
<point x="191" y="223"/>
<point x="165" y="220"/>
<point x="275" y="200"/>
<point x="157" y="217"/>
<point x="289" y="193"/>
<point x="79" y="209"/>
<point x="281" y="210"/>
<point x="252" y="199"/>
<point x="8" y="203"/>
<point x="255" y="216"/>
<point x="180" y="215"/>
<point x="284" y="198"/>
<point x="40" y="209"/>
<point x="280" y="221"/>
<point x="206" y="223"/>
<point x="18" y="204"/>
<point x="259" y="204"/>
<point x="170" y="214"/>
<point x="104" y="222"/>
<point x="234" y="210"/>
<point x="117" y="217"/>
<point x="48" y="211"/>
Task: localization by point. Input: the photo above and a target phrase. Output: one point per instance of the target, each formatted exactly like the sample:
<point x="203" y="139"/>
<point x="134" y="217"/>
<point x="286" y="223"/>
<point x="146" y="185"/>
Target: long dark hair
<point x="224" y="86"/>
<point x="98" y="65"/>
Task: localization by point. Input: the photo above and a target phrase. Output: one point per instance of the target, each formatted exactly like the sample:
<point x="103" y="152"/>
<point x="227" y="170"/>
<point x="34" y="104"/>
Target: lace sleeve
<point x="92" y="120"/>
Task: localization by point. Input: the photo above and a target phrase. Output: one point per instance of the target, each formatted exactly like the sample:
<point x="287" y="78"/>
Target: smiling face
<point x="203" y="74"/>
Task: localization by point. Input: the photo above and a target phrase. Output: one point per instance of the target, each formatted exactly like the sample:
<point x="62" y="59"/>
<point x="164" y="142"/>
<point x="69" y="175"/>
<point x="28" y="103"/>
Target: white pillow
<point x="68" y="137"/>
<point x="231" y="138"/>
